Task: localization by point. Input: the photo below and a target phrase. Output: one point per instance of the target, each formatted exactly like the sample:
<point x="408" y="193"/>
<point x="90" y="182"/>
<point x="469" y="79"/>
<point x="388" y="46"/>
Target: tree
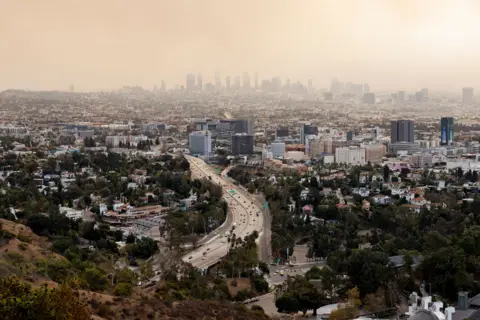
<point x="298" y="292"/>
<point x="19" y="300"/>
<point x="368" y="270"/>
<point x="144" y="248"/>
<point x="95" y="279"/>
<point x="287" y="303"/>
<point x="130" y="238"/>
<point x="474" y="176"/>
<point x="314" y="182"/>
<point x="123" y="289"/>
<point x="386" y="173"/>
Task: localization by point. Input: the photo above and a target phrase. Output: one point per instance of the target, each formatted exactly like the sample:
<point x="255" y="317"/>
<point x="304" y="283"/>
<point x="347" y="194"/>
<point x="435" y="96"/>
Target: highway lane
<point x="246" y="217"/>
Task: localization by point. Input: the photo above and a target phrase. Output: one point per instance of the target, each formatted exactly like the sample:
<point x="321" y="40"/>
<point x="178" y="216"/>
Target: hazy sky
<point x="105" y="44"/>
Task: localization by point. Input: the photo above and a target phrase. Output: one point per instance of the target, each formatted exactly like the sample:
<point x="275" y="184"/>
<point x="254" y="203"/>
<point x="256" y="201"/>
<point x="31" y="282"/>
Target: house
<point x="381" y="199"/>
<point x="419" y="201"/>
<point x="307" y="209"/>
<point x="190" y="201"/>
<point x="305" y="194"/>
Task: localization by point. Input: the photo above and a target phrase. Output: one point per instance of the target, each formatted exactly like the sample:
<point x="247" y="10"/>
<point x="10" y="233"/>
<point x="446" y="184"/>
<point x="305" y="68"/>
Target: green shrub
<point x="123" y="289"/>
<point x="24" y="238"/>
<point x="96" y="280"/>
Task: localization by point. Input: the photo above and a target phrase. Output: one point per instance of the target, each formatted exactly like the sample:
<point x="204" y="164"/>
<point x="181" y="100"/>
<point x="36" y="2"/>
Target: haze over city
<point x="102" y="45"/>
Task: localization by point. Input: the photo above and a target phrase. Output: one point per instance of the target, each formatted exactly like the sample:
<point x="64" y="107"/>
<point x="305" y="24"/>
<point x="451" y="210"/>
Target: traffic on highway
<point x="245" y="218"/>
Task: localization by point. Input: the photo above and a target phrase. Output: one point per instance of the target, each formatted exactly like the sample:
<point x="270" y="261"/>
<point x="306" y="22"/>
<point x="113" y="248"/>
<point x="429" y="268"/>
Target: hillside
<point x="24" y="255"/>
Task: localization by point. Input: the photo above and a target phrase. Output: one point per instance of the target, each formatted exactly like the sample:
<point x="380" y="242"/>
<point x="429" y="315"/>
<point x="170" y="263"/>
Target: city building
<point x="246" y="81"/>
<point x="409" y="147"/>
<point x="419" y="96"/>
<point x="420" y="160"/>
<point x="200" y="142"/>
<point x="306" y="130"/>
<point x="374" y="153"/>
<point x="243" y="126"/>
<point x="401" y="96"/>
<point x="467" y="95"/>
<point x="369" y="98"/>
<point x="190" y="85"/>
<point x="350" y="155"/>
<point x="227" y="83"/>
<point x="349" y="135"/>
<point x="242" y="144"/>
<point x="327" y="96"/>
<point x="199" y="82"/>
<point x="446" y="131"/>
<point x="278" y="150"/>
<point x="281" y="132"/>
<point x="424" y="92"/>
<point x="402" y="131"/>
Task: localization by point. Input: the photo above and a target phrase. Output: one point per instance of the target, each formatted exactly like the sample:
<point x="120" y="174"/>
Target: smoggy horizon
<point x="104" y="45"/>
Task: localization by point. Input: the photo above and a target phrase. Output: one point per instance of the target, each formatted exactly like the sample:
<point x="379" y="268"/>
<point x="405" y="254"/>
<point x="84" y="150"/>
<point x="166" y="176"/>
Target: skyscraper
<point x="446" y="131"/>
<point x="227" y="83"/>
<point x="190" y="85"/>
<point x="467" y="95"/>
<point x="218" y="82"/>
<point x="366" y="88"/>
<point x="163" y="87"/>
<point x="402" y="131"/>
<point x="307" y="130"/>
<point x="424" y="94"/>
<point x="199" y="82"/>
<point x="242" y="143"/>
<point x="236" y="85"/>
<point x="246" y="81"/>
<point x="200" y="142"/>
<point x="401" y="96"/>
<point x="256" y="80"/>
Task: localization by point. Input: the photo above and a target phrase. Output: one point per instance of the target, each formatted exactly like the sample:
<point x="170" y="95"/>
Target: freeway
<point x="244" y="216"/>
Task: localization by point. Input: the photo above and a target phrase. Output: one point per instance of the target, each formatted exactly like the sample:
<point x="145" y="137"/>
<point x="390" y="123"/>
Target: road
<point x="265" y="247"/>
<point x="243" y="214"/>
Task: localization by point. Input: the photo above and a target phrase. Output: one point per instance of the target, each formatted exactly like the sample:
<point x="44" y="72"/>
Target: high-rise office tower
<point x="402" y="131"/>
<point x="366" y="88"/>
<point x="310" y="85"/>
<point x="227" y="83"/>
<point x="281" y="132"/>
<point x="401" y="96"/>
<point x="424" y="94"/>
<point x="369" y="98"/>
<point x="190" y="86"/>
<point x="256" y="80"/>
<point x="242" y="144"/>
<point x="446" y="131"/>
<point x="236" y="84"/>
<point x="218" y="81"/>
<point x="199" y="82"/>
<point x="467" y="95"/>
<point x="163" y="87"/>
<point x="419" y="96"/>
<point x="200" y="142"/>
<point x="307" y="130"/>
<point x="246" y="81"/>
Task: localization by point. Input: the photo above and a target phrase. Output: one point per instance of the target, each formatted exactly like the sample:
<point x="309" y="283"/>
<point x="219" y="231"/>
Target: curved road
<point x="244" y="215"/>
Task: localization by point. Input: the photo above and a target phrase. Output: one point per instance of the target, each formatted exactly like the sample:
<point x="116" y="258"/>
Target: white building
<point x="200" y="142"/>
<point x="350" y="155"/>
<point x="278" y="150"/>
